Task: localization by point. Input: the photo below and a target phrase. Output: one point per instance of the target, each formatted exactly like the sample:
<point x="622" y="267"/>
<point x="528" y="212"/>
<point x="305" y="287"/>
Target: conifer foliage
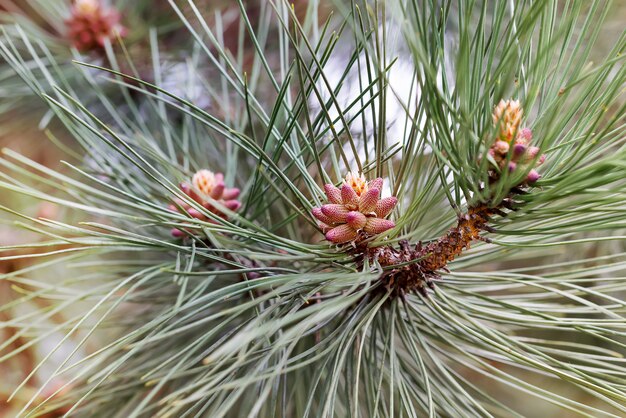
<point x="244" y="233"/>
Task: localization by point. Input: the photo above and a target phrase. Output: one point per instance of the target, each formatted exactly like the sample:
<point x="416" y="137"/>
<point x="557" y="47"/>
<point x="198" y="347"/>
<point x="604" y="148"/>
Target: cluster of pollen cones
<point x="355" y="211"/>
<point x="206" y="188"/>
<point x="90" y="25"/>
<point x="512" y="149"/>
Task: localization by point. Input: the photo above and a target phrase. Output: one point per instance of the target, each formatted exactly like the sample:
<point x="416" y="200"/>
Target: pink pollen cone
<point x="525" y="134"/>
<point x="324" y="227"/>
<point x="195" y="213"/>
<point x="533" y="176"/>
<point x="336" y="213"/>
<point x="377" y="225"/>
<point x="502" y="147"/>
<point x="317" y="212"/>
<point x="385" y="206"/>
<point x="340" y="234"/>
<point x="333" y="194"/>
<point x="377" y="183"/>
<point x="232" y="204"/>
<point x="356" y="220"/>
<point x="191" y="192"/>
<point x="533" y="151"/>
<point x="186" y="188"/>
<point x="349" y="196"/>
<point x="368" y="200"/>
<point x="519" y="150"/>
<point x="230" y="194"/>
<point x="218" y="191"/>
<point x="181" y="203"/>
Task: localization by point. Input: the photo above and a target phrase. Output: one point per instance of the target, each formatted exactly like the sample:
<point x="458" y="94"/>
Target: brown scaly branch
<point x="415" y="268"/>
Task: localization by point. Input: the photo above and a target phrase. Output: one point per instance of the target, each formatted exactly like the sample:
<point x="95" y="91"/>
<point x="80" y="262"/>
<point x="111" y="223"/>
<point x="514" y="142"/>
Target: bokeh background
<point x="27" y="129"/>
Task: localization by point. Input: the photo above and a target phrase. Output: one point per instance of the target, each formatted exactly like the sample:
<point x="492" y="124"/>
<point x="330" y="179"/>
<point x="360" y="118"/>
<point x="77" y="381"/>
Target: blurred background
<point x="26" y="128"/>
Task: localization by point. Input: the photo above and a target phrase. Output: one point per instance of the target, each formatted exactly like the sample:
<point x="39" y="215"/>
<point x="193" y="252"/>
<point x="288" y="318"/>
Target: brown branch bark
<point x="414" y="268"/>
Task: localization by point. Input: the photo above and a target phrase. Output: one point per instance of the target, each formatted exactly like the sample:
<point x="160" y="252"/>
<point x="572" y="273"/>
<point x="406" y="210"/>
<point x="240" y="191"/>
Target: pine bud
<point x="355" y="211"/>
<point x="525" y="135"/>
<point x="519" y="150"/>
<point x="501" y="147"/>
<point x="87" y="7"/>
<point x="206" y="188"/>
<point x="356" y="182"/>
<point x="533" y="151"/>
<point x="90" y="25"/>
<point x="507" y="115"/>
<point x="533" y="176"/>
